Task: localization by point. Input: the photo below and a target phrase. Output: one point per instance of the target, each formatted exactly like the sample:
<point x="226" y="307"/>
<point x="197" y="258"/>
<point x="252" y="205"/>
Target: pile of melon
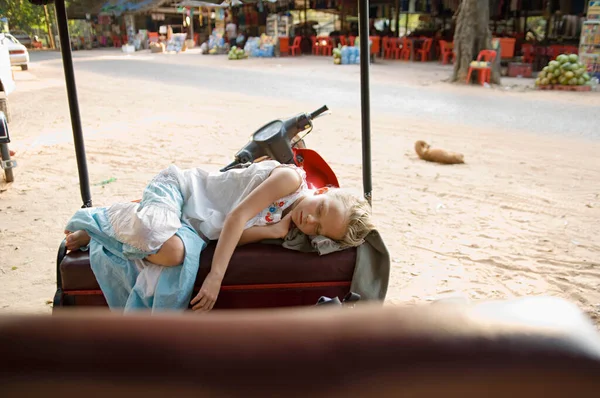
<point x="566" y="70"/>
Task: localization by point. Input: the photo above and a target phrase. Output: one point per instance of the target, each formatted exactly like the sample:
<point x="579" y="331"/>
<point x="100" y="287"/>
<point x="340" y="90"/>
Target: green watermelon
<point x="573" y="82"/>
<point x="567" y="66"/>
<point x="557" y="73"/>
<point x="562" y="80"/>
<point x="569" y="75"/>
<point x="573" y="58"/>
<point x="545" y="82"/>
<point x="562" y="58"/>
<point x="581" y="81"/>
<point x="586" y="76"/>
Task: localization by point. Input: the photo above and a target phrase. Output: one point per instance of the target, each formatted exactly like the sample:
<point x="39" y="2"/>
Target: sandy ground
<point x="520" y="218"/>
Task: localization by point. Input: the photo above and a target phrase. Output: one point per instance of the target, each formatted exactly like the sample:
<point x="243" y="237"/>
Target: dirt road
<point x="520" y="218"/>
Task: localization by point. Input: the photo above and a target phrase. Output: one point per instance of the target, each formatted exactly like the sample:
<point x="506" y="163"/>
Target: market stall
<point x="589" y="44"/>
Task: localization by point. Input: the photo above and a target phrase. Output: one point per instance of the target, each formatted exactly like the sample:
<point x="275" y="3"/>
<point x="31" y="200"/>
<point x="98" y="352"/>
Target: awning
<point x="197" y="4"/>
<point x="118" y="7"/>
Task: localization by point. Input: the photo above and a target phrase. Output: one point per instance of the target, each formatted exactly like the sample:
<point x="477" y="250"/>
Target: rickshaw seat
<point x="258" y="275"/>
<point x="505" y="349"/>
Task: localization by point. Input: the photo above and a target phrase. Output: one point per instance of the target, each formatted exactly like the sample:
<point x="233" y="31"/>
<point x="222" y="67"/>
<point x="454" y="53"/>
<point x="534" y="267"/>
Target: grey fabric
<point x="372" y="269"/>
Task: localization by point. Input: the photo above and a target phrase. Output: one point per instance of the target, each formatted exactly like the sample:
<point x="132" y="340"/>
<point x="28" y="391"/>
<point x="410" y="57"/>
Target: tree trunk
<point x="472" y="35"/>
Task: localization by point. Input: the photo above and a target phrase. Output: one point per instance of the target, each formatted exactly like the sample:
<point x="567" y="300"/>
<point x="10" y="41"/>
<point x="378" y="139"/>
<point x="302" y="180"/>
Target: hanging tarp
<point x="197" y="4"/>
<point x="118" y="7"/>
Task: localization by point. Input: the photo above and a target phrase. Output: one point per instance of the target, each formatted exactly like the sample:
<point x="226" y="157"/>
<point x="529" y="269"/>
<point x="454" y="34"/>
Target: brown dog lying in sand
<point x="425" y="152"/>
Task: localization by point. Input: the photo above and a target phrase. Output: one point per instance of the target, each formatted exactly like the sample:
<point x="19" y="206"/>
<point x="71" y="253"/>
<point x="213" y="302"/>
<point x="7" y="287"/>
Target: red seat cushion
<point x="253" y="264"/>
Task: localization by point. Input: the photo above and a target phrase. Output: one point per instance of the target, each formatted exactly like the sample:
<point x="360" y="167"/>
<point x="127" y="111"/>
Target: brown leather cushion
<point x="252" y="264"/>
<point x="539" y="349"/>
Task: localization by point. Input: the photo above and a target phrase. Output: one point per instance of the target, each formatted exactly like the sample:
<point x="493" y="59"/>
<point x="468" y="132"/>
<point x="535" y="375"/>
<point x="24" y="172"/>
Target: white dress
<point x="198" y="198"/>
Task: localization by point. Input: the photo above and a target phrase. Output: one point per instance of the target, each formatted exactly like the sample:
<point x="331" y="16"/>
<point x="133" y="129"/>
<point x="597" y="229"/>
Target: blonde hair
<point x="359" y="217"/>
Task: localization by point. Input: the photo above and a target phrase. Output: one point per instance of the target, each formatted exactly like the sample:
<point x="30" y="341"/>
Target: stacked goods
<point x="216" y="43"/>
<point x="157" y="47"/>
<point x="237" y="53"/>
<point x="263" y="46"/>
<point x="346" y="55"/>
<point x="565" y="71"/>
<point x="337" y="55"/>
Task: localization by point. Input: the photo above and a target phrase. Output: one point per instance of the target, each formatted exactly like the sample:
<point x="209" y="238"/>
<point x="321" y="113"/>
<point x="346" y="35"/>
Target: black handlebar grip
<point x="319" y="111"/>
<point x="230" y="166"/>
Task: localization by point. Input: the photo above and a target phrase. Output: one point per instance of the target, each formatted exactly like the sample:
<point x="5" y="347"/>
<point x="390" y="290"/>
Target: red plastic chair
<point x="554" y="51"/>
<point x="527" y="51"/>
<point x="315" y="46"/>
<point x="424" y="51"/>
<point x="327" y="48"/>
<point x="295" y="47"/>
<point x="351" y="39"/>
<point x="375" y="45"/>
<point x="125" y="39"/>
<point x="385" y="43"/>
<point x="343" y="41"/>
<point x="484" y="72"/>
<point x="116" y="41"/>
<point x="396" y="44"/>
<point x="570" y="50"/>
<point x="447" y="52"/>
<point x="391" y="48"/>
<point x="407" y="46"/>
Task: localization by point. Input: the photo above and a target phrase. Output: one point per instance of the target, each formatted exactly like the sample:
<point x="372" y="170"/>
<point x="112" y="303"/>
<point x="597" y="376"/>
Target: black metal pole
<point x="363" y="34"/>
<point x="65" y="49"/>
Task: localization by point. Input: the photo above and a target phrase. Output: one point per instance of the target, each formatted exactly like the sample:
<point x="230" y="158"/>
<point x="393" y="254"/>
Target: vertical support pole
<point x="363" y="32"/>
<point x="65" y="49"/>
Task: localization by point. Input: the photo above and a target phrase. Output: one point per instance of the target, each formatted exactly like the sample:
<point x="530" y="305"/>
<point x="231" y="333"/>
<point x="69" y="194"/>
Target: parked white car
<point x="7" y="83"/>
<point x="19" y="56"/>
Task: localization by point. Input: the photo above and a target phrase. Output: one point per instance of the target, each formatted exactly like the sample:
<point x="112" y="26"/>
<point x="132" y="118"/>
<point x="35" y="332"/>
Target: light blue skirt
<point x="124" y="234"/>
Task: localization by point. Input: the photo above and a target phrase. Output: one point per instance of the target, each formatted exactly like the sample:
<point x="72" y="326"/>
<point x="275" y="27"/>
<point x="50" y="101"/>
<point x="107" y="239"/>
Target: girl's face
<point x="320" y="214"/>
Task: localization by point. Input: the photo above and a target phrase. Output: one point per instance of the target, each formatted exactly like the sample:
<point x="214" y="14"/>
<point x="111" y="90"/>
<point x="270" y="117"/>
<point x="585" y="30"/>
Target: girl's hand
<point x="207" y="296"/>
<point x="282" y="228"/>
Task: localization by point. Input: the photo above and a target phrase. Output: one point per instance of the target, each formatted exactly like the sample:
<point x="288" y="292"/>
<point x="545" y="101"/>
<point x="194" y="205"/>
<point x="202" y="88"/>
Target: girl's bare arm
<point x="256" y="234"/>
<point x="282" y="182"/>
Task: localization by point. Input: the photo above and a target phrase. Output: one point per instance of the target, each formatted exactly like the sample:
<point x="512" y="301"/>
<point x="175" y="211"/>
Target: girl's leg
<point x="135" y="231"/>
<point x="170" y="254"/>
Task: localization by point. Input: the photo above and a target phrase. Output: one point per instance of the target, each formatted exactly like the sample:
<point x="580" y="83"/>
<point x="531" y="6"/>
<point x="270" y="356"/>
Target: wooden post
<point x="49" y="27"/>
<point x="305" y="16"/>
<point x="397" y="18"/>
<point x="342" y="17"/>
<point x="209" y="22"/>
<point x="191" y="27"/>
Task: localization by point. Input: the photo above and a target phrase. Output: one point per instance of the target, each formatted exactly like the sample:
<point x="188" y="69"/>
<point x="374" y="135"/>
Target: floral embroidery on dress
<point x="274" y="212"/>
